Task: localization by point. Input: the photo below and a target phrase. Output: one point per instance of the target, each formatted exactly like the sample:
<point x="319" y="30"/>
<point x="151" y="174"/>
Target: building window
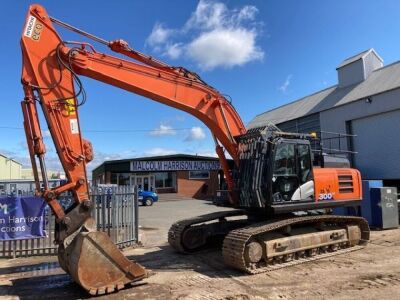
<point x="113" y="178"/>
<point x="199" y="174"/>
<point x="124" y="179"/>
<point x="165" y="180"/>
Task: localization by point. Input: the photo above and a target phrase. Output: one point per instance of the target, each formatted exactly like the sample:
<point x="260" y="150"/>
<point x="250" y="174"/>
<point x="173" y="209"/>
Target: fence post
<point x="135" y="208"/>
<point x="114" y="214"/>
<point x="14" y="248"/>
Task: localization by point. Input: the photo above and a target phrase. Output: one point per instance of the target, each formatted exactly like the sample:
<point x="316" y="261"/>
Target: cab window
<point x="304" y="163"/>
<point x="285" y="162"/>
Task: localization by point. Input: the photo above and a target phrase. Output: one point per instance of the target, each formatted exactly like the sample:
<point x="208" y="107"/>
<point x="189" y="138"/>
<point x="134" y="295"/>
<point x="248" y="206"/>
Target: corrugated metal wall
<point x="377" y="145"/>
<point x="306" y="124"/>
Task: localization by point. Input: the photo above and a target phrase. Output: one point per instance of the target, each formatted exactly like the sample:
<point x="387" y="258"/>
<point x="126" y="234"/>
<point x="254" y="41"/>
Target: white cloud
<point x="224" y="47"/>
<point x="247" y="13"/>
<point x="196" y="133"/>
<point x="174" y="51"/>
<point x="158" y="35"/>
<point x="214" y="36"/>
<point x="284" y="87"/>
<point x="52" y="162"/>
<point x="208" y="14"/>
<point x="100" y="157"/>
<point x="163" y="130"/>
<point x="21" y="155"/>
<point x="159" y="151"/>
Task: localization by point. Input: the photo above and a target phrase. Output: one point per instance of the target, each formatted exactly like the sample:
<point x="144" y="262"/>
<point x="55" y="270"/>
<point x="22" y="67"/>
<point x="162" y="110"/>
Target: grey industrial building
<point x="365" y="102"/>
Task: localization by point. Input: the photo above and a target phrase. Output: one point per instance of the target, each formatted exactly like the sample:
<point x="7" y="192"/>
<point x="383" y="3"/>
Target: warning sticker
<point x="33" y="29"/>
<point x="70" y="107"/>
<point x="74" y="126"/>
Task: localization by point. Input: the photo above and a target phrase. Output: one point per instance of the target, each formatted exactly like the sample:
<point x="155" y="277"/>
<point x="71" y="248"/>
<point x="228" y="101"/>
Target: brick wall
<point x="196" y="188"/>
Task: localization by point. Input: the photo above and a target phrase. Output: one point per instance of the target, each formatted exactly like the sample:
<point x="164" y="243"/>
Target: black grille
<point x="346" y="183"/>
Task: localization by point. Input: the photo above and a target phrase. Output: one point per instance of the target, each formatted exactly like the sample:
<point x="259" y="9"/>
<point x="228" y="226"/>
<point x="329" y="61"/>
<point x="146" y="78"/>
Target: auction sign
<point x="22" y="218"/>
<point x="174" y="165"/>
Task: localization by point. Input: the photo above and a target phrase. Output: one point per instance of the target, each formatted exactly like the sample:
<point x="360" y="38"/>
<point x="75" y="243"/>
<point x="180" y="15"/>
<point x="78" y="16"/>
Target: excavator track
<point x="235" y="243"/>
<point x="177" y="230"/>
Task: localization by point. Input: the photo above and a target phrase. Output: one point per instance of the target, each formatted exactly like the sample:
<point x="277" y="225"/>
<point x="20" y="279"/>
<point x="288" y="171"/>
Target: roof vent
<point x="358" y="67"/>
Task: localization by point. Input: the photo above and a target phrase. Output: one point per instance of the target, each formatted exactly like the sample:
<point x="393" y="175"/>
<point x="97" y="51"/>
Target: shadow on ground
<point x="208" y="262"/>
<point x="162" y="259"/>
<point x="44" y="287"/>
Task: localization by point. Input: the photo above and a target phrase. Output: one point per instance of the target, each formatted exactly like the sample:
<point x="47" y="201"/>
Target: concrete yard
<point x="371" y="273"/>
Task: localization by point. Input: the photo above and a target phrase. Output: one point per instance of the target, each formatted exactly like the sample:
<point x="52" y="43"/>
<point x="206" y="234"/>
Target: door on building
<point x="377" y="145"/>
<point x="144" y="182"/>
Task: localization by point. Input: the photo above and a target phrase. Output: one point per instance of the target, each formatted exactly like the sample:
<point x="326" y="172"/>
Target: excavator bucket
<point x="95" y="262"/>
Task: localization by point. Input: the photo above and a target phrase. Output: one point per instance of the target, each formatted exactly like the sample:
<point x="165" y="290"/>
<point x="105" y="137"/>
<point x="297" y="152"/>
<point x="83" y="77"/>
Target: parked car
<point x="147" y="198"/>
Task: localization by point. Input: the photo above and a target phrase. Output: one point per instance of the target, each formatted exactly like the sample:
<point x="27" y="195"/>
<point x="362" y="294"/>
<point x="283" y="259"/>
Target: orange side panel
<point x="337" y="184"/>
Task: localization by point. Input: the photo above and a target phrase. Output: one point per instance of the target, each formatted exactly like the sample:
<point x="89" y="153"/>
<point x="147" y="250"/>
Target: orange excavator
<point x="282" y="202"/>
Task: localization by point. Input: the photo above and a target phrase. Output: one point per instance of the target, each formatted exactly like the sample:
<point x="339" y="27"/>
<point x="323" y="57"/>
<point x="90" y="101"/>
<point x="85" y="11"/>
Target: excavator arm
<point x="50" y="81"/>
<point x="50" y="67"/>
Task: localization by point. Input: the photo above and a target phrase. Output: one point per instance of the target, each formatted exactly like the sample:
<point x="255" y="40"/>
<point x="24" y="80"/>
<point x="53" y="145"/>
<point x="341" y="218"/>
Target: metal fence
<point x="115" y="211"/>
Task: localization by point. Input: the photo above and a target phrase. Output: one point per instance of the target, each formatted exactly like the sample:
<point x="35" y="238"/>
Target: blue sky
<point x="261" y="53"/>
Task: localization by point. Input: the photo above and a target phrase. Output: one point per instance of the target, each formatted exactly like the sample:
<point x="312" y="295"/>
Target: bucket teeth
<point x="93" y="292"/>
<point x="101" y="291"/>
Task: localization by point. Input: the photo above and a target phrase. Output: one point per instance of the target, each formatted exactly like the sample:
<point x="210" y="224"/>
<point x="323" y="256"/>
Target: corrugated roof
<point x="357" y="57"/>
<point x="353" y="59"/>
<point x="10" y="158"/>
<point x="160" y="157"/>
<point x="380" y="80"/>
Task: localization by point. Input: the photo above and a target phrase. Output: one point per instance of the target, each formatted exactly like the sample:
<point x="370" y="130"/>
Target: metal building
<point x="9" y="168"/>
<point x="365" y="102"/>
<point x="23" y="186"/>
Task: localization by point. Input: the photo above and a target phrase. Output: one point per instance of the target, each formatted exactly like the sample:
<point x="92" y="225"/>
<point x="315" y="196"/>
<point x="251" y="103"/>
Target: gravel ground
<point x="371" y="273"/>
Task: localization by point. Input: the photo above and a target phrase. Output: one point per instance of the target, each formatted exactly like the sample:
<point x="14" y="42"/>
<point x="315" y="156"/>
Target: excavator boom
<point x="50" y="80"/>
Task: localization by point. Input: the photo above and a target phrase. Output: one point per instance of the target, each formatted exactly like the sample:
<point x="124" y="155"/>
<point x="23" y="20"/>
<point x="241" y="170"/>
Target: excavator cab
<point x="275" y="168"/>
<point x="276" y="175"/>
<point x="291" y="171"/>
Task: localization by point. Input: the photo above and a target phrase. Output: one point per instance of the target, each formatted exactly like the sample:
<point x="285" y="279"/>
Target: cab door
<point x="305" y="191"/>
<point x="292" y="178"/>
<point x="285" y="179"/>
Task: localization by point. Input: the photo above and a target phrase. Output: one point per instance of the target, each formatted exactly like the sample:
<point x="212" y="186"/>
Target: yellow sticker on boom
<point x="70" y="107"/>
<point x="37" y="32"/>
<point x="33" y="29"/>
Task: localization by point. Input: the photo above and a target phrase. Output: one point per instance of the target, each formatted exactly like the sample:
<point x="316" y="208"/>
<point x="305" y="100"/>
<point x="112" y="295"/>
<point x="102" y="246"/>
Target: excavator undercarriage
<point x="256" y="247"/>
<point x="273" y="230"/>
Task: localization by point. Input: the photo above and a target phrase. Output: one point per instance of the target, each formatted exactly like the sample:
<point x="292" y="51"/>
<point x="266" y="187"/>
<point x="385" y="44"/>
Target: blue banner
<point x="22" y="218"/>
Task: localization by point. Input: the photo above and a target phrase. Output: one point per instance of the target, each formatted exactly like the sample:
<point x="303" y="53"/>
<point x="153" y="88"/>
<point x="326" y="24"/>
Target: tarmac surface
<point x="371" y="273"/>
